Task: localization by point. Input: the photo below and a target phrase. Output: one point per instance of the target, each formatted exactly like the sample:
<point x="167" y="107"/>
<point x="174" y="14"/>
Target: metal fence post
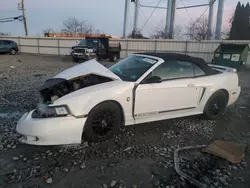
<point x="155" y="45"/>
<point x="127" y="48"/>
<point x="19" y="44"/>
<point x="58" y="46"/>
<point x="38" y="46"/>
<point x="186" y="47"/>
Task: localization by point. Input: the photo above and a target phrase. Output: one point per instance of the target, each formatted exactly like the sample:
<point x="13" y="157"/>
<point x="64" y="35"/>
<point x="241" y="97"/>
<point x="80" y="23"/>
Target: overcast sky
<point x="105" y="15"/>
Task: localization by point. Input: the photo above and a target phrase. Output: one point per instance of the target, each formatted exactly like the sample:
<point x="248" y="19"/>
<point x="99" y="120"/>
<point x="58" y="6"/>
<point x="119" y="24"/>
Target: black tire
<point x="113" y="57"/>
<point x="13" y="51"/>
<point x="216" y="105"/>
<point x="98" y="58"/>
<point x="75" y="59"/>
<point x="102" y="122"/>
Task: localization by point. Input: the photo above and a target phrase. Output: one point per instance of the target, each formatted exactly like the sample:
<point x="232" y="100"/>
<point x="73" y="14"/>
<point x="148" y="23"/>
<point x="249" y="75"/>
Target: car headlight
<point x="45" y="111"/>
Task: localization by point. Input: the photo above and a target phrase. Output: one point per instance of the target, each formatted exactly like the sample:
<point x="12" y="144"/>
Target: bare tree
<point x="84" y="27"/>
<point x="48" y="30"/>
<point x="198" y="29"/>
<point x="136" y="34"/>
<point x="160" y="33"/>
<point x="97" y="31"/>
<point x="72" y="26"/>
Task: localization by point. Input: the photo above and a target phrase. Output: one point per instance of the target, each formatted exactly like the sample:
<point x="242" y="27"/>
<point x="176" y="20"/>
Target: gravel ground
<point x="139" y="156"/>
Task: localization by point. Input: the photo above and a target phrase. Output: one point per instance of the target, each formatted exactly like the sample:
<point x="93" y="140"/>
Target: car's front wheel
<point x="216" y="105"/>
<point x="75" y="59"/>
<point x="13" y="51"/>
<point x="102" y="122"/>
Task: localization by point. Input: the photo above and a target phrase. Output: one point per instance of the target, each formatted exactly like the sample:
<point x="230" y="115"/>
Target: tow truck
<point x="99" y="46"/>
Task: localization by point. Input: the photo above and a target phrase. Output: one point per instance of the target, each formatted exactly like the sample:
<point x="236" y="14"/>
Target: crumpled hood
<point x="87" y="67"/>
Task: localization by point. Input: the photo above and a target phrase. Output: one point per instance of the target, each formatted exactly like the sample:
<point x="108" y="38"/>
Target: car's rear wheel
<point x="102" y="122"/>
<point x="113" y="57"/>
<point x="13" y="52"/>
<point x="216" y="105"/>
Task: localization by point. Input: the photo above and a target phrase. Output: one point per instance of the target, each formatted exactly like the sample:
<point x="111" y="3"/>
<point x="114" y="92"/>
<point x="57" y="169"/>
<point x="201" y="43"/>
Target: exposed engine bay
<point x="55" y="88"/>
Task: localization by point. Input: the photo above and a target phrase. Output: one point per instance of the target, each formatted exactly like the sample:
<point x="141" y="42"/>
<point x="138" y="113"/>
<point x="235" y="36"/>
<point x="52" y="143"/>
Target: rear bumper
<point x="234" y="95"/>
<point x="50" y="131"/>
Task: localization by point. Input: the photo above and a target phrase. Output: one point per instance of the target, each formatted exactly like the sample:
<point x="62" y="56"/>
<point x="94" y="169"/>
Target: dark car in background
<point x="8" y="46"/>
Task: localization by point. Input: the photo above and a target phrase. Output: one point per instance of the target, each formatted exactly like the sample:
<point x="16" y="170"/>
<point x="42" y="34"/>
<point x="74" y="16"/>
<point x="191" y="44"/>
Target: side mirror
<point x="153" y="79"/>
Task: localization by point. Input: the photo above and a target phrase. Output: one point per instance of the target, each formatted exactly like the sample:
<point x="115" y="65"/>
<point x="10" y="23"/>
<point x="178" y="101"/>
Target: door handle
<point x="191" y="85"/>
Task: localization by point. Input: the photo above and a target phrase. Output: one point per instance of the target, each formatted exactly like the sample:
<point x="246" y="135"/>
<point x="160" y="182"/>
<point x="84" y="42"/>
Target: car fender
<point x="208" y="91"/>
<point x="82" y="101"/>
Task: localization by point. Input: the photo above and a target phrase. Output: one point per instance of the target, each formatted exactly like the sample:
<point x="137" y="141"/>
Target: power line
<point x="10" y="19"/>
<point x="143" y="16"/>
<point x="4" y="21"/>
<point x="181" y="19"/>
<point x="151" y="15"/>
<point x="186" y="10"/>
<point x="199" y="18"/>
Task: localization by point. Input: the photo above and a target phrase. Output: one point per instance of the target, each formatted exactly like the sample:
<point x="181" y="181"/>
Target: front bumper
<point x="83" y="55"/>
<point x="80" y="55"/>
<point x="234" y="95"/>
<point x="50" y="131"/>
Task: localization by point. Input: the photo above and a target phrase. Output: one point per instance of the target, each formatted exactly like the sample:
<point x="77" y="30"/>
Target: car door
<point x="1" y="46"/>
<point x="176" y="92"/>
<point x="7" y="45"/>
<point x="102" y="48"/>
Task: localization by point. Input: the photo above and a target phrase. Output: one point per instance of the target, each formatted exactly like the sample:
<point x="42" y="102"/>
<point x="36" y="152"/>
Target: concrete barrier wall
<point x="62" y="46"/>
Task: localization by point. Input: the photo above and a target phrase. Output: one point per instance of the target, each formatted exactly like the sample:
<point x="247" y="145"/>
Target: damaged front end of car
<point x="55" y="120"/>
<point x="56" y="88"/>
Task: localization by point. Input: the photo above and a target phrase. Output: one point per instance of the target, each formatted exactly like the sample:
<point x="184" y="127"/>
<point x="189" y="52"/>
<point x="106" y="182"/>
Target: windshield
<point x="132" y="67"/>
<point x="88" y="42"/>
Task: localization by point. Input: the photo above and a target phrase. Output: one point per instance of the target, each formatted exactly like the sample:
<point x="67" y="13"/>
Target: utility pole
<point x="210" y="19"/>
<point x="169" y="29"/>
<point x="24" y="18"/>
<point x="125" y="24"/>
<point x="171" y="36"/>
<point x="219" y="19"/>
<point x="136" y="16"/>
<point x="168" y="19"/>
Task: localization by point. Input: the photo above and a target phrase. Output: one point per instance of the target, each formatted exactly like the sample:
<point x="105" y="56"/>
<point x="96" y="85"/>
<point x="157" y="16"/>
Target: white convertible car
<point x="89" y="101"/>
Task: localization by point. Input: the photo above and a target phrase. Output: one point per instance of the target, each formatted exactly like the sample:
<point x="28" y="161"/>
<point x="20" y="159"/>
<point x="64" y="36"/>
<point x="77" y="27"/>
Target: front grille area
<point x="79" y="50"/>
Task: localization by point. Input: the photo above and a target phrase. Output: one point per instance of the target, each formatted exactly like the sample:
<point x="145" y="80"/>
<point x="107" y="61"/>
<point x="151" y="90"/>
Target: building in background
<point x="77" y="35"/>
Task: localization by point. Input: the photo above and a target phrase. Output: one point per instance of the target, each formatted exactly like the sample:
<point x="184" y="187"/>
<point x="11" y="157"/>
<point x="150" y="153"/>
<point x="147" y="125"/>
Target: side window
<point x="7" y="42"/>
<point x="198" y="71"/>
<point x="1" y="43"/>
<point x="174" y="69"/>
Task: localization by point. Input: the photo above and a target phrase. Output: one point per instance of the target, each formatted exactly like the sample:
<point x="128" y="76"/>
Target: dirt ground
<point x="139" y="156"/>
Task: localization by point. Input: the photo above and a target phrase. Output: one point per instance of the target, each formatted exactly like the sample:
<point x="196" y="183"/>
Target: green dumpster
<point x="231" y="55"/>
